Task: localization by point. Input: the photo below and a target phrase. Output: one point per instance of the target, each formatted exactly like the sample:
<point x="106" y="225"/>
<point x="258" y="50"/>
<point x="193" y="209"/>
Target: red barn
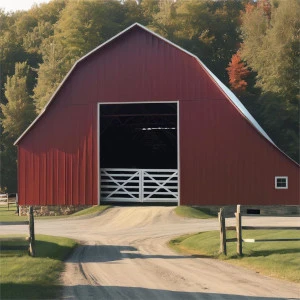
<point x="140" y="119"/>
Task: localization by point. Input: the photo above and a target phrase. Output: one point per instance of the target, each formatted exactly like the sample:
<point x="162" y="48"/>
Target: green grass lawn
<point x="194" y="212"/>
<point x="97" y="209"/>
<point x="26" y="277"/>
<point x="277" y="259"/>
<point x="11" y="216"/>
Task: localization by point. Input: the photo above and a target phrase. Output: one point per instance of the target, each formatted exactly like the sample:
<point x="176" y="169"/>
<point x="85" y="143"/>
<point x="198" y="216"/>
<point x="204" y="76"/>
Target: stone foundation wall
<point x="264" y="210"/>
<point x="52" y="210"/>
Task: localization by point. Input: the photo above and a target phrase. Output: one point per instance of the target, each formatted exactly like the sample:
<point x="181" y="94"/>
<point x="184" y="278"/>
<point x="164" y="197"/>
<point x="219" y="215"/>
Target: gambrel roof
<point x="230" y="95"/>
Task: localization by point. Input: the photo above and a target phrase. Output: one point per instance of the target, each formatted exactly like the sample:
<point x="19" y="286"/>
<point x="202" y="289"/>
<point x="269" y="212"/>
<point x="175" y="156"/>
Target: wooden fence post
<point x="239" y="246"/>
<point x="7" y="201"/>
<point x="17" y="203"/>
<point x="223" y="248"/>
<point x="31" y="232"/>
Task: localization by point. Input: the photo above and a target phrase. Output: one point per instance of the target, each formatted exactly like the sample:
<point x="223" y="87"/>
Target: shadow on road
<point x="119" y="292"/>
<point x="110" y="253"/>
<point x="89" y="292"/>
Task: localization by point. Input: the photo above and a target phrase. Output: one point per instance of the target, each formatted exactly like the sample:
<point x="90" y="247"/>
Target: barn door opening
<point x="138" y="152"/>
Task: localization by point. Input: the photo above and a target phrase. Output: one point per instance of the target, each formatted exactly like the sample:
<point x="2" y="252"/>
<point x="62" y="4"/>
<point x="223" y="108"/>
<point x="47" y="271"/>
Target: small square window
<point x="281" y="182"/>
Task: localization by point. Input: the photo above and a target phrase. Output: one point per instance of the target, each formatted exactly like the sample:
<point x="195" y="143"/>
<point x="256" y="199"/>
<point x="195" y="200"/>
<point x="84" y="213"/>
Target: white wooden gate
<point x="139" y="185"/>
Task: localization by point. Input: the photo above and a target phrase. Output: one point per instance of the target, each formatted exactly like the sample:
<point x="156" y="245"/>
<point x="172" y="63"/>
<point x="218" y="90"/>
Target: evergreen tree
<point x="8" y="165"/>
<point x="17" y="114"/>
<point x="50" y="72"/>
<point x="19" y="110"/>
<point x="11" y="50"/>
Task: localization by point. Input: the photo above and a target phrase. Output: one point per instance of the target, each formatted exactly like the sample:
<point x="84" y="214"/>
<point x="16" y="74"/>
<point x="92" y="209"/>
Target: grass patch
<point x="277" y="259"/>
<point x="25" y="277"/>
<point x="194" y="212"/>
<point x="11" y="216"/>
<point x="97" y="209"/>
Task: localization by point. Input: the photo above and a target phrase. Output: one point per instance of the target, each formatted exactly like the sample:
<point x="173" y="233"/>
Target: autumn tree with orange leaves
<point x="237" y="72"/>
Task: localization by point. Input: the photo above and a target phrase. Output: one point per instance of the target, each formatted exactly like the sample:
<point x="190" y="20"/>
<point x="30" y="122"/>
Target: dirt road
<point x="125" y="256"/>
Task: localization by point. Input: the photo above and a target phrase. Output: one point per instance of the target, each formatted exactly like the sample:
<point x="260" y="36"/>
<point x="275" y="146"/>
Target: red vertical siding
<point x="223" y="159"/>
<point x="57" y="168"/>
<point x="234" y="164"/>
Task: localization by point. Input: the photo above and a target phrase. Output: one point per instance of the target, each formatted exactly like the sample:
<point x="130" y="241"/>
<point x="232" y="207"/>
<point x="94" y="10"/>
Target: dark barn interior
<point x="138" y="136"/>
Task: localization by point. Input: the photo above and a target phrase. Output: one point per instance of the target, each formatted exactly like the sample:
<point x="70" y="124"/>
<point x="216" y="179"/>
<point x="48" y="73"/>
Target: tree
<point x="134" y="12"/>
<point x="237" y="72"/>
<point x="280" y="123"/>
<point x="271" y="48"/>
<point x="50" y="72"/>
<point x="19" y="110"/>
<point x="21" y="36"/>
<point x="150" y="8"/>
<point x="8" y="166"/>
<point x="208" y="29"/>
<point x="82" y="26"/>
<point x="165" y="21"/>
<point x="33" y="39"/>
<point x="11" y="50"/>
<point x="17" y="113"/>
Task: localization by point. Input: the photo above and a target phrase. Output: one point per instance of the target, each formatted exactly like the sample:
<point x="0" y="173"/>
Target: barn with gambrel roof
<point x="140" y="119"/>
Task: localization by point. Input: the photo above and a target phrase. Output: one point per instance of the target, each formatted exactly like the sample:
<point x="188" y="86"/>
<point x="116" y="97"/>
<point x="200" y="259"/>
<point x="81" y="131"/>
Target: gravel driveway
<point x="124" y="256"/>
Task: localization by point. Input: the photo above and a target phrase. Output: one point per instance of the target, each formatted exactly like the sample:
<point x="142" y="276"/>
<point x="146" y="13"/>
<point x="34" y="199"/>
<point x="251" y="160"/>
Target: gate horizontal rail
<point x="139" y="185"/>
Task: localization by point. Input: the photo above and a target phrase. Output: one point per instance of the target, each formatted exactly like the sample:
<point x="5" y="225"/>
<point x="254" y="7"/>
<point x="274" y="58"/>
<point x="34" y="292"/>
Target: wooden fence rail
<point x="9" y="200"/>
<point x="239" y="229"/>
<point x="31" y="238"/>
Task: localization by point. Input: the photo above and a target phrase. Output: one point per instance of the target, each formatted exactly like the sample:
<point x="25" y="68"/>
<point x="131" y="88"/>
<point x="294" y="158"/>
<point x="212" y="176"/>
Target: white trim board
<point x="282" y="187"/>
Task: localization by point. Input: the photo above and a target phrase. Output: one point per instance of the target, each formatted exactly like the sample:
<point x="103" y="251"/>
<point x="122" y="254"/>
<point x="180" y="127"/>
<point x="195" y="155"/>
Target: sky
<point x="13" y="5"/>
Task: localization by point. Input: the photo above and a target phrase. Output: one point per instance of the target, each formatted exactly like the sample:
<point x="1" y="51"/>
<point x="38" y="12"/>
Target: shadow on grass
<point x="34" y="277"/>
<point x="258" y="253"/>
<point x="44" y="249"/>
<point x="29" y="291"/>
<point x="52" y="250"/>
<point x="207" y="211"/>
